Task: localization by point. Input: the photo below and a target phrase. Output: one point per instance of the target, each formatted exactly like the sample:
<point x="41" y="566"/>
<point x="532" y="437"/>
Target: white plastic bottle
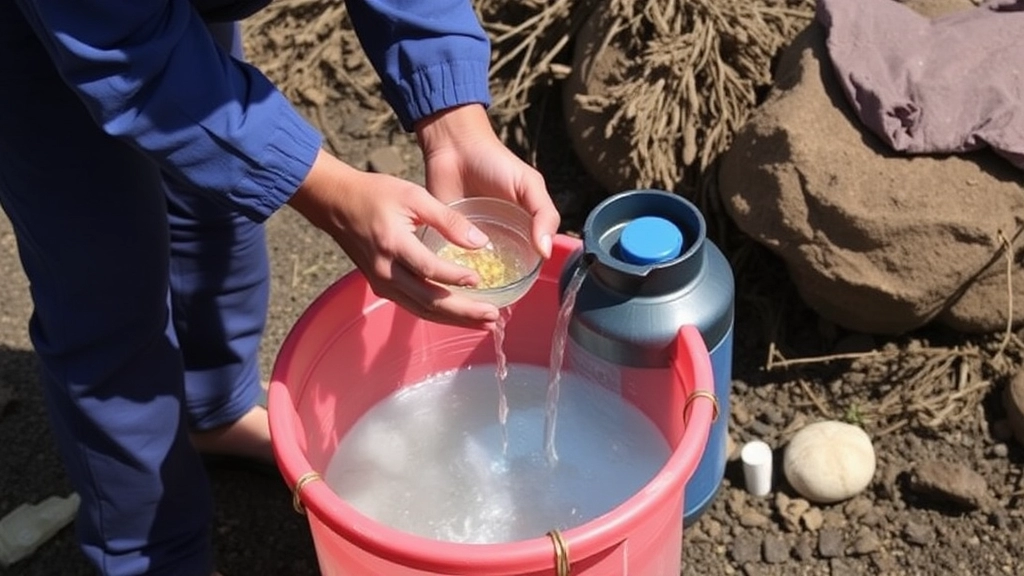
<point x="28" y="526"/>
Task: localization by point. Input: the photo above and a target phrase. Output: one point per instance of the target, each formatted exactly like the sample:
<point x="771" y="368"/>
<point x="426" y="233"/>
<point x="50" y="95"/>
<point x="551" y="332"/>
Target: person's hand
<point x="374" y="218"/>
<point x="464" y="157"/>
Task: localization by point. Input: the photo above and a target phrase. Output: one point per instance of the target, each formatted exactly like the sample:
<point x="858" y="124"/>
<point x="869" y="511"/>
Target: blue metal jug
<point x="650" y="270"/>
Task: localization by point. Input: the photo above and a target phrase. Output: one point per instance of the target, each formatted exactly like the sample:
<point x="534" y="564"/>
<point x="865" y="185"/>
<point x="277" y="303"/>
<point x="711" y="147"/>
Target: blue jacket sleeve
<point x="151" y="74"/>
<point x="430" y="54"/>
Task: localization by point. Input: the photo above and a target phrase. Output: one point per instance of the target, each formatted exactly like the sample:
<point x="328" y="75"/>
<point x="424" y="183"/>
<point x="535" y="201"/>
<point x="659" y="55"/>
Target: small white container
<point x="757" y="467"/>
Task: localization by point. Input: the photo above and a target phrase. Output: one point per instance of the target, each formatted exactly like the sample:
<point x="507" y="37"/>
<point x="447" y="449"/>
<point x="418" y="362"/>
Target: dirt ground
<point x="891" y="528"/>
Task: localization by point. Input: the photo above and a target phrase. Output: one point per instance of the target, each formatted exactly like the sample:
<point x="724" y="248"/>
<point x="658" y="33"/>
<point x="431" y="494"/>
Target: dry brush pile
<point x="692" y="73"/>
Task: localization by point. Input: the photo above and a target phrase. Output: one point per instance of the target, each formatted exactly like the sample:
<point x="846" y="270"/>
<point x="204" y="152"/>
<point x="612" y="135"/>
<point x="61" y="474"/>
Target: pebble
<point x="834" y="518"/>
<point x="751" y="569"/>
<point x="841" y="567"/>
<point x="918" y="534"/>
<point x="752" y="519"/>
<point x="774" y="416"/>
<point x="866" y="542"/>
<point x="746" y="548"/>
<point x="830" y="543"/>
<point x="713" y="529"/>
<point x="1000" y="450"/>
<point x="739" y="413"/>
<point x="804" y="548"/>
<point x="858" y="508"/>
<point x="813" y="519"/>
<point x="790" y="511"/>
<point x="950" y="482"/>
<point x="761" y="429"/>
<point x="829" y="461"/>
<point x="776" y="549"/>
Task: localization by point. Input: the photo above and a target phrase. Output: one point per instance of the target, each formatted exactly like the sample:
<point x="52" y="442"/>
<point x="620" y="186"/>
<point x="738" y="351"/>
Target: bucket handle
<point x="311" y="476"/>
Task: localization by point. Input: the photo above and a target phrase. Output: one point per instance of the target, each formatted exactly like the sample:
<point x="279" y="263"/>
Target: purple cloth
<point x="945" y="85"/>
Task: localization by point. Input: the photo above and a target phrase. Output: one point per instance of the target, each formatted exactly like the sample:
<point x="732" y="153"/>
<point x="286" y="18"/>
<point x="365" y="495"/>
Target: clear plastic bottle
<point x="28" y="526"/>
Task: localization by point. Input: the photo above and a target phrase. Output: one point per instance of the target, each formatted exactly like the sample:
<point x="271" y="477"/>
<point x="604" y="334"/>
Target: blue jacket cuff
<point x="435" y="88"/>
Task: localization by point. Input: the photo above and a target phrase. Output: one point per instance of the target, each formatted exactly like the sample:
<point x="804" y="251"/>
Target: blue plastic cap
<point x="650" y="240"/>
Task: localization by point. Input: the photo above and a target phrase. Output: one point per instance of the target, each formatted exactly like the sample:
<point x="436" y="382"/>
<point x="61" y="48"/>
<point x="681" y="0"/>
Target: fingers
<point x="546" y="219"/>
<point x="416" y="258"/>
<point x="452" y="225"/>
<point x="434" y="302"/>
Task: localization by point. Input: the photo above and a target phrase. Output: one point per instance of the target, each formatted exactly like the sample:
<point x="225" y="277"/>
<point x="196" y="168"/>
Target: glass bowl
<point x="507" y="266"/>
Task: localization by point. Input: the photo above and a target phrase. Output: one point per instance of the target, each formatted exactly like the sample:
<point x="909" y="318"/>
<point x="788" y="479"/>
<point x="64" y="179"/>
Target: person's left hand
<point x="464" y="157"/>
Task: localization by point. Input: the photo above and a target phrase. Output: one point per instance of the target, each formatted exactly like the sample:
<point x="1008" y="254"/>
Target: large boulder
<point x="873" y="240"/>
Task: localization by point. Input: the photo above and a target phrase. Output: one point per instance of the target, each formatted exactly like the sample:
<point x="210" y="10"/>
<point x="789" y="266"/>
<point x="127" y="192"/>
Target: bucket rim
<point x="602" y="533"/>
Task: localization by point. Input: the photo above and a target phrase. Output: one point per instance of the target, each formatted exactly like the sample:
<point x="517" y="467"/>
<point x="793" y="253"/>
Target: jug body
<point x="649" y="269"/>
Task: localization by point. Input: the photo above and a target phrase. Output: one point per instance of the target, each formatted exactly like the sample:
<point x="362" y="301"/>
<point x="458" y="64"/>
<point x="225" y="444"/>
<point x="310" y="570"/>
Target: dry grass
<point x="912" y="383"/>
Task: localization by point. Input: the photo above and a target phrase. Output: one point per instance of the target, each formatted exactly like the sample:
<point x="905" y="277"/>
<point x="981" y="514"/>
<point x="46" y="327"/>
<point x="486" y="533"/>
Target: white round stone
<point x="829" y="461"/>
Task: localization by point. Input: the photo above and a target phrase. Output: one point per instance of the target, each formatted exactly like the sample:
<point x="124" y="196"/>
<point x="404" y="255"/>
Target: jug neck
<point x="644" y="242"/>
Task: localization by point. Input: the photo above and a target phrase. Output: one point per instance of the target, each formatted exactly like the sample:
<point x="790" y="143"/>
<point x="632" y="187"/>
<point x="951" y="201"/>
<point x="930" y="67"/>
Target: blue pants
<point x="149" y="304"/>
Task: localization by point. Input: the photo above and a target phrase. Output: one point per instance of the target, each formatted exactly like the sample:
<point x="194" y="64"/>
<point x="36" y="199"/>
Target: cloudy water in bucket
<point x="429" y="459"/>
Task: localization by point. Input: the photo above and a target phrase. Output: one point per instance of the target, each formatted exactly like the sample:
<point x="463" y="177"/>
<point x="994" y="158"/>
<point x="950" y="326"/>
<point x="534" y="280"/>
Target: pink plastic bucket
<point x="350" y="349"/>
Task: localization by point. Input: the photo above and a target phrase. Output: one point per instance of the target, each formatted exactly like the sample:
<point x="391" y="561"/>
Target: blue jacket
<point x="149" y="73"/>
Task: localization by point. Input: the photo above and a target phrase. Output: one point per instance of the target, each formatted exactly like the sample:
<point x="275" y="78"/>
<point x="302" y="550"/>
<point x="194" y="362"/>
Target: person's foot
<point x="247" y="437"/>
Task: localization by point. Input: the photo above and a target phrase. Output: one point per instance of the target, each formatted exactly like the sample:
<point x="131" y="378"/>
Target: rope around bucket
<point x="562" y="566"/>
<point x="306" y="478"/>
<point x="701" y="394"/>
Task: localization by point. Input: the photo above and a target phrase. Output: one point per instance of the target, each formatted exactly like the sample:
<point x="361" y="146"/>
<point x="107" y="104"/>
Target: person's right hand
<point x="374" y="219"/>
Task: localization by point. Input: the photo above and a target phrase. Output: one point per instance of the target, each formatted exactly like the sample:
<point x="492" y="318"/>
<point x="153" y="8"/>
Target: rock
<point x="790" y="511"/>
<point x="858" y="508"/>
<point x="950" y="482"/>
<point x="746" y="548"/>
<point x="813" y="520"/>
<point x="713" y="529"/>
<point x="829" y="461"/>
<point x="830" y="543"/>
<point x="1013" y="403"/>
<point x="918" y="534"/>
<point x="776" y="549"/>
<point x="804" y="548"/>
<point x="843" y="567"/>
<point x="739" y="412"/>
<point x="866" y="542"/>
<point x="752" y="519"/>
<point x="874" y="241"/>
<point x="1000" y="451"/>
